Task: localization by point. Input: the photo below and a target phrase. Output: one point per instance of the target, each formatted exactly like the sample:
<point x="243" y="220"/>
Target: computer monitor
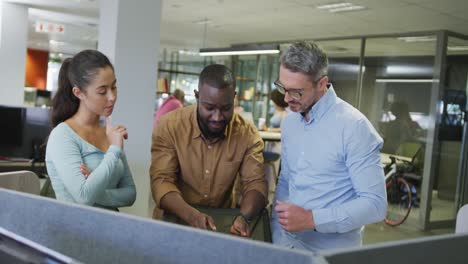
<point x="448" y="248"/>
<point x="43" y="98"/>
<point x="453" y="114"/>
<point x="11" y="126"/>
<point x="24" y="131"/>
<point x="37" y="128"/>
<point x="17" y="249"/>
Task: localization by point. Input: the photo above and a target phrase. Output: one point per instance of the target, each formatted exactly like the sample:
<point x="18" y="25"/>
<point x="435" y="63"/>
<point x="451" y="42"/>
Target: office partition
<point x="94" y="235"/>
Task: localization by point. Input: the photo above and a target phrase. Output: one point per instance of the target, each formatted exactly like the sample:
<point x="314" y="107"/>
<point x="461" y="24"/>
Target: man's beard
<point x="207" y="133"/>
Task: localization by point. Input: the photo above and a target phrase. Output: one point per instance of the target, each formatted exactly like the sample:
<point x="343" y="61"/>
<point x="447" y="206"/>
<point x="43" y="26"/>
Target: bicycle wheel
<point x="399" y="201"/>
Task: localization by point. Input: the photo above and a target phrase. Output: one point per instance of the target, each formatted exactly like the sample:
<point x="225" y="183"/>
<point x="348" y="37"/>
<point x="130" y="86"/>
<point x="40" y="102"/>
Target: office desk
<point x="270" y="136"/>
<point x="385" y="158"/>
<point x="37" y="167"/>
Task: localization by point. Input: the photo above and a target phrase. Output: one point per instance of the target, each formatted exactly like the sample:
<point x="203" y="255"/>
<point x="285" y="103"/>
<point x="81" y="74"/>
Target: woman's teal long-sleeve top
<point x="110" y="184"/>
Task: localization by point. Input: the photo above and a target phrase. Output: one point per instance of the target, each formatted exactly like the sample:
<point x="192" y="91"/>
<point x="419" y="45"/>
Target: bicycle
<point x="401" y="194"/>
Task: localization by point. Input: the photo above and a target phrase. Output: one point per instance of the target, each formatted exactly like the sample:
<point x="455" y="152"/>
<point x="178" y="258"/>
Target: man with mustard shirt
<point x="198" y="151"/>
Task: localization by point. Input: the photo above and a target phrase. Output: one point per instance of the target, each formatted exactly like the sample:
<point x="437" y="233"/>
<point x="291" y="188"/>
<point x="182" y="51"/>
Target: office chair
<point x="23" y="181"/>
<point x="462" y="220"/>
<point x="269" y="159"/>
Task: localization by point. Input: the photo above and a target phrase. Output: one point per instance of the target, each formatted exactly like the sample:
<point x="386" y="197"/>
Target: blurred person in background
<point x="173" y="102"/>
<point x="280" y="111"/>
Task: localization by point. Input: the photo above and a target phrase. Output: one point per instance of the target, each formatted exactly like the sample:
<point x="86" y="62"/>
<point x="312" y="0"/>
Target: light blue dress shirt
<point x="330" y="165"/>
<point x="110" y="184"/>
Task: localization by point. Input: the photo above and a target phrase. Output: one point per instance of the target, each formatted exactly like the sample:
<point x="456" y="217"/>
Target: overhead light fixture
<point x="188" y="52"/>
<point x="333" y="6"/>
<point x="409" y="70"/>
<point x="418" y="39"/>
<point x="457" y="48"/>
<point x="241" y="50"/>
<point x="341" y="7"/>
<point x="406" y="80"/>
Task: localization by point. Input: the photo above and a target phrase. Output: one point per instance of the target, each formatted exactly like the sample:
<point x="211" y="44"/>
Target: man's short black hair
<point x="217" y="76"/>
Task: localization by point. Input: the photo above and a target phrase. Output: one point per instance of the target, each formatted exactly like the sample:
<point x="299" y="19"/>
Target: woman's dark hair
<point x="278" y="98"/>
<point x="78" y="72"/>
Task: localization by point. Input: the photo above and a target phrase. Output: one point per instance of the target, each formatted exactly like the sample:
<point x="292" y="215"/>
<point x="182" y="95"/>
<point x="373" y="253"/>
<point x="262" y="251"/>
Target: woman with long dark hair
<point x="85" y="160"/>
<point x="280" y="113"/>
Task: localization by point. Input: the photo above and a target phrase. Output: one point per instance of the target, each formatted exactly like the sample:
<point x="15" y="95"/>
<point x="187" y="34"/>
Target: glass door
<point x="454" y="185"/>
<point x="343" y="70"/>
<point x="399" y="95"/>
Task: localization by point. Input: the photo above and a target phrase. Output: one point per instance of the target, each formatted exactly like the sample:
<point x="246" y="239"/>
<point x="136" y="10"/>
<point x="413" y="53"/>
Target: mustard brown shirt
<point x="204" y="173"/>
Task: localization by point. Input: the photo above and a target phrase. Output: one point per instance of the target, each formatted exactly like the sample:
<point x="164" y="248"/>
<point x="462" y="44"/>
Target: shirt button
<point x="207" y="171"/>
<point x="205" y="195"/>
<point x="209" y="146"/>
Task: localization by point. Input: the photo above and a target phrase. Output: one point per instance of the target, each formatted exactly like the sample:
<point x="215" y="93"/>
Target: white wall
<point x="129" y="35"/>
<point x="13" y="45"/>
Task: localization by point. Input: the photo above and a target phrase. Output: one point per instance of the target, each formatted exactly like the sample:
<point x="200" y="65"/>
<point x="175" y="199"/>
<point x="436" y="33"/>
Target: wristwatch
<point x="243" y="217"/>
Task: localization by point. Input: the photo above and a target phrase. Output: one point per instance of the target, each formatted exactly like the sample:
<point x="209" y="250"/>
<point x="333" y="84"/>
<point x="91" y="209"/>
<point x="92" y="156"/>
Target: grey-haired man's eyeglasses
<point x="294" y="93"/>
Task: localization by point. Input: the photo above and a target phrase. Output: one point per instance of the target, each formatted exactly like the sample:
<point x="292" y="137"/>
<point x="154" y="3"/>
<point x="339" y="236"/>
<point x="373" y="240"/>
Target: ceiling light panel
<point x="341" y="7"/>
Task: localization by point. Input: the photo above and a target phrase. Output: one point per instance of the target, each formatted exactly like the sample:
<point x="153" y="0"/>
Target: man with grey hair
<point x="331" y="182"/>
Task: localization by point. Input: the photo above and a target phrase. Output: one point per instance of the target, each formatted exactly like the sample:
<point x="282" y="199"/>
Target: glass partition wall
<point x="397" y="79"/>
<point x="412" y="87"/>
<point x="254" y="79"/>
<point x="343" y="73"/>
<point x="452" y="180"/>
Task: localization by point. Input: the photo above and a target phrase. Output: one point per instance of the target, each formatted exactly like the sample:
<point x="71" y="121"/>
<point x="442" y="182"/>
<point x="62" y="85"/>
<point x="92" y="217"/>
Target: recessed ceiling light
<point x="335" y="5"/>
<point x="341" y="7"/>
<point x="346" y="9"/>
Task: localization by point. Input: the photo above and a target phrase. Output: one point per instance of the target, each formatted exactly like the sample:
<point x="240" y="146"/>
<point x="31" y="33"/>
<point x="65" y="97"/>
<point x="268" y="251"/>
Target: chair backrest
<point x="415" y="151"/>
<point x="23" y="181"/>
<point x="462" y="220"/>
<point x="408" y="149"/>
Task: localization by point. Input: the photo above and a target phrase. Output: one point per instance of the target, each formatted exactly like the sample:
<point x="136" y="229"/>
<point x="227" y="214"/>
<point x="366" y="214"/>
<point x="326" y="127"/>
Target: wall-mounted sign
<point x="47" y="27"/>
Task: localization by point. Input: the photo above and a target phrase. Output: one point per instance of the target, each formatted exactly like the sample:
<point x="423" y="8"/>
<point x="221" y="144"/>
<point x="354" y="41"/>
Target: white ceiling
<point x="247" y="21"/>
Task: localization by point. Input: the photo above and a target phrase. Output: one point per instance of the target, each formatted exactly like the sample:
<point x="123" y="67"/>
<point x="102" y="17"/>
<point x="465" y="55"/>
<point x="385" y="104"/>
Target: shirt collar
<point x="324" y="103"/>
<point x="194" y="119"/>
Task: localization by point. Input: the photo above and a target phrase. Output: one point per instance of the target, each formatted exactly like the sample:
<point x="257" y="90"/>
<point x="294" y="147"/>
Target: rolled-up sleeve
<point x="164" y="163"/>
<point x="252" y="170"/>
